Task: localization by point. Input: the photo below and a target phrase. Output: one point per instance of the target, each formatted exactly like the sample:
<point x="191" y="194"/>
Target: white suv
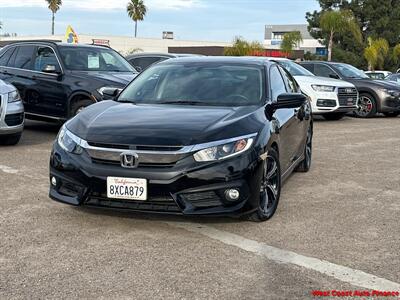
<point x="11" y="114"/>
<point x="331" y="98"/>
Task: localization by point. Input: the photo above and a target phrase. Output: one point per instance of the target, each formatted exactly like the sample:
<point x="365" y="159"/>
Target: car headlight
<point x="323" y="88"/>
<point x="13" y="97"/>
<point x="394" y="93"/>
<point x="224" y="149"/>
<point x="69" y="141"/>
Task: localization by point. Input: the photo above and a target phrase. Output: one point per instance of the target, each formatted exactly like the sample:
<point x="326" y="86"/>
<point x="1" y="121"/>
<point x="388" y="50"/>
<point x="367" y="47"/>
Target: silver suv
<point x="11" y="114"/>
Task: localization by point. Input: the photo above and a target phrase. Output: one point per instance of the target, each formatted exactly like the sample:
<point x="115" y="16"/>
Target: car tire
<point x="305" y="165"/>
<point x="333" y="116"/>
<point x="10" y="140"/>
<point x="367" y="107"/>
<point x="392" y="114"/>
<point x="79" y="105"/>
<point x="270" y="188"/>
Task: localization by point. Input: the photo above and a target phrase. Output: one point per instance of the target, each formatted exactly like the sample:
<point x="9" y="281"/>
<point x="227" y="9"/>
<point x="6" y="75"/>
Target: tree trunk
<point x="330" y="46"/>
<point x="135" y="28"/>
<point x="52" y="25"/>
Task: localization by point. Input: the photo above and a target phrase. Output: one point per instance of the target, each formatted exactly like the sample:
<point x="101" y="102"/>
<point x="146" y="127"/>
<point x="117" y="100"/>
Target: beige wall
<point x="125" y="44"/>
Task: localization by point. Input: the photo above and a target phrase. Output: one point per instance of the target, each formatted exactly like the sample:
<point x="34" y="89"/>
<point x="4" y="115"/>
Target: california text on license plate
<point x="127" y="188"/>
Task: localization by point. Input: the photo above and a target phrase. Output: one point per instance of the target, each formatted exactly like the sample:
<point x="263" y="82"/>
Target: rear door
<point x="18" y="71"/>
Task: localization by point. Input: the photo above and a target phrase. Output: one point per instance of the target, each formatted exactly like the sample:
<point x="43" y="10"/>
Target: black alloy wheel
<point x="270" y="188"/>
<point x="366" y="106"/>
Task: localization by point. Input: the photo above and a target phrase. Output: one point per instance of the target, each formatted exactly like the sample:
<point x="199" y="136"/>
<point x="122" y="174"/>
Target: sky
<point x="207" y="20"/>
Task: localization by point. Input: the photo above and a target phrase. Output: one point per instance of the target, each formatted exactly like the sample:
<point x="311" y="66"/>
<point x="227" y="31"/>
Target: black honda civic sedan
<point x="192" y="136"/>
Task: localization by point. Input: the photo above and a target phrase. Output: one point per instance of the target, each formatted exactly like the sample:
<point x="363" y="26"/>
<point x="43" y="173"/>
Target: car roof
<point x="54" y="43"/>
<point x="245" y="60"/>
<point x="171" y="55"/>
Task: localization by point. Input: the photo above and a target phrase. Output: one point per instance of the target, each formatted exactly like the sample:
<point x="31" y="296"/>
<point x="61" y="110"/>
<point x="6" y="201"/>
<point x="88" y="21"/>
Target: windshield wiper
<point x="182" y="102"/>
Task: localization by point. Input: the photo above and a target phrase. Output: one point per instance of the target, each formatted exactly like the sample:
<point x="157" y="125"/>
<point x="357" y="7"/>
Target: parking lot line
<point x="8" y="170"/>
<point x="342" y="273"/>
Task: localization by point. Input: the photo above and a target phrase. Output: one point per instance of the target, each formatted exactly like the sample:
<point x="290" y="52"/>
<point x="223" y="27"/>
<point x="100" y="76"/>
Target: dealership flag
<point x="71" y="36"/>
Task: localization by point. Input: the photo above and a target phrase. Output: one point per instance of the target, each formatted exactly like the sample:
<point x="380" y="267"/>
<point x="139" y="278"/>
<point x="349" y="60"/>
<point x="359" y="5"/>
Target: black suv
<point x="58" y="80"/>
<point x="376" y="96"/>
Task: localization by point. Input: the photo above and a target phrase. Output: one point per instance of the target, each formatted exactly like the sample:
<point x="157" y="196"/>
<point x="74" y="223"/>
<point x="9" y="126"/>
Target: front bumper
<point x="339" y="101"/>
<point x="188" y="188"/>
<point x="389" y="103"/>
<point x="11" y="116"/>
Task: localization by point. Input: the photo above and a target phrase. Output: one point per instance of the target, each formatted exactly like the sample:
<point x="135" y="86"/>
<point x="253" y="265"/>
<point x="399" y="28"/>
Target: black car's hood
<point x="173" y="125"/>
<point x="120" y="78"/>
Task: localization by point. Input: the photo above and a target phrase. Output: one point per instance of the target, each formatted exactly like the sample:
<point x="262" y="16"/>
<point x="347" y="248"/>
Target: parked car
<point x="376" y="96"/>
<point x="141" y="61"/>
<point x="331" y="98"/>
<point x="11" y="114"/>
<point x="377" y="74"/>
<point x="58" y="80"/>
<point x="193" y="136"/>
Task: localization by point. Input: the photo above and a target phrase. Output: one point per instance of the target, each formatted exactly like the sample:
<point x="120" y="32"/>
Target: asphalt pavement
<point x="336" y="228"/>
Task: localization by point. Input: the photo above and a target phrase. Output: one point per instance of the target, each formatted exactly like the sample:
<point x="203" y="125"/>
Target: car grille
<point x="149" y="156"/>
<point x="14" y="119"/>
<point x="140" y="165"/>
<point x="202" y="199"/>
<point x="347" y="96"/>
<point x="155" y="203"/>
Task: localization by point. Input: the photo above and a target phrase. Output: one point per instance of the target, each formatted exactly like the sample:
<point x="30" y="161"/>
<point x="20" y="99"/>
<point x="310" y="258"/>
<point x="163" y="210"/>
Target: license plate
<point x="127" y="188"/>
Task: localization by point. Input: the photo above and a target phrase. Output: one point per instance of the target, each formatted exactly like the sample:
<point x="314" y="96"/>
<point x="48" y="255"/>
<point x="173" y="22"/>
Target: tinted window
<point x="290" y="82"/>
<point x="198" y="84"/>
<point x="294" y="68"/>
<point x="393" y="78"/>
<point x="145" y="62"/>
<point x="277" y="84"/>
<point x="23" y="59"/>
<point x="324" y="71"/>
<point x="93" y="59"/>
<point x="349" y="71"/>
<point x="45" y="56"/>
<point x="6" y="56"/>
<point x="309" y="67"/>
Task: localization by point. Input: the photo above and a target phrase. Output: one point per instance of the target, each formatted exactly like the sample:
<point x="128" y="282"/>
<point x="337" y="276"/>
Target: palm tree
<point x="54" y="6"/>
<point x="241" y="47"/>
<point x="376" y="53"/>
<point x="396" y="53"/>
<point x="290" y="41"/>
<point x="136" y="11"/>
<point x="339" y="22"/>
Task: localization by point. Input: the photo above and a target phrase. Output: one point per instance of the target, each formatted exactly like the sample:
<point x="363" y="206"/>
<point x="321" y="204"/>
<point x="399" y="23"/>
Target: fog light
<point x="232" y="194"/>
<point x="53" y="181"/>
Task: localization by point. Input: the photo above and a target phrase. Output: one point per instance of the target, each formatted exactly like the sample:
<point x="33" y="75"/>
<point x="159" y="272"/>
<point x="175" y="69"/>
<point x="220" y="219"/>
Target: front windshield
<point x="294" y="69"/>
<point x="350" y="71"/>
<point x="197" y="84"/>
<point x="94" y="59"/>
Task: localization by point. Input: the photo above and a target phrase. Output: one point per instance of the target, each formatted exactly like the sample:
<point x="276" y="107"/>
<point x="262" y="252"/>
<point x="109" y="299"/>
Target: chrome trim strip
<point x="44" y="116"/>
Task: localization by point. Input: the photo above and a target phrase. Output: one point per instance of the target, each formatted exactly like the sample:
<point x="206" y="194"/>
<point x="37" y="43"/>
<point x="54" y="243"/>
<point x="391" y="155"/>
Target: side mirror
<point x="289" y="101"/>
<point x="139" y="69"/>
<point x="110" y="93"/>
<point x="334" y="76"/>
<point x="49" y="69"/>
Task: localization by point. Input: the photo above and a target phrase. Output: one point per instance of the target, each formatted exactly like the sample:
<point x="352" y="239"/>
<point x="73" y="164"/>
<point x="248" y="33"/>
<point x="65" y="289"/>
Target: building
<point x="126" y="44"/>
<point x="274" y="36"/>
